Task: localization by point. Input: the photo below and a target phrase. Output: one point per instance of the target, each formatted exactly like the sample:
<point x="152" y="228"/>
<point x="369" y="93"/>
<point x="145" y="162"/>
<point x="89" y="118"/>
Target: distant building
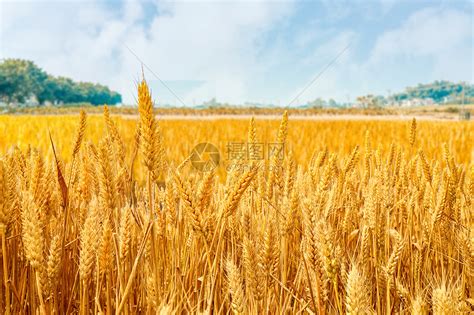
<point x="417" y="102"/>
<point x="31" y="101"/>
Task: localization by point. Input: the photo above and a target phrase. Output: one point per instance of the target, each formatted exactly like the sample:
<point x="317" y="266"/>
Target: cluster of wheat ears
<point x="357" y="234"/>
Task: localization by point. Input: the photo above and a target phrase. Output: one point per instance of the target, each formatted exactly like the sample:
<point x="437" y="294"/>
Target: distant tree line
<point x="20" y="80"/>
<point x="320" y="102"/>
<point x="439" y="91"/>
<point x="423" y="94"/>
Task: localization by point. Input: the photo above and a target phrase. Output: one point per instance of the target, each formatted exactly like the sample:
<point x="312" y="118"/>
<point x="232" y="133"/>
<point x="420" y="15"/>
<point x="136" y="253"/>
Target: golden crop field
<point x="106" y="214"/>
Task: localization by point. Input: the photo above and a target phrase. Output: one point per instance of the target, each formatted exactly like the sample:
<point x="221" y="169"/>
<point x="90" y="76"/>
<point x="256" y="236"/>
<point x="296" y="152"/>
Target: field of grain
<point x="103" y="214"/>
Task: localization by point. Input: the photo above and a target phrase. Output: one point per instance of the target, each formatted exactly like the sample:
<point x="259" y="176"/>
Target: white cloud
<point x="332" y="61"/>
<point x="222" y="45"/>
<point x="444" y="36"/>
<point x="429" y="45"/>
<point x="212" y="42"/>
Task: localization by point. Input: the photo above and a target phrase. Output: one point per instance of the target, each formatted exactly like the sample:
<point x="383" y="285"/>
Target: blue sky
<point x="239" y="51"/>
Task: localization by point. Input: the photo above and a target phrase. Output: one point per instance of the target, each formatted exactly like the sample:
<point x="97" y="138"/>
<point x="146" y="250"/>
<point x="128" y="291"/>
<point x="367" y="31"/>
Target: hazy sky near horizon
<point x="238" y="51"/>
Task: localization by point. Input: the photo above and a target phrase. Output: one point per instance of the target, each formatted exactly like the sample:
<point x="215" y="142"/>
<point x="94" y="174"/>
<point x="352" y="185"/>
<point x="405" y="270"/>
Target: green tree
<point x="438" y="91"/>
<point x="20" y="79"/>
<point x="47" y="93"/>
<point x="371" y="101"/>
<point x="317" y="103"/>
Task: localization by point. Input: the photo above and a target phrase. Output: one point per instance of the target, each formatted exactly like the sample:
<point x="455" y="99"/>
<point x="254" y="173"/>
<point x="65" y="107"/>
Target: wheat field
<point x="109" y="215"/>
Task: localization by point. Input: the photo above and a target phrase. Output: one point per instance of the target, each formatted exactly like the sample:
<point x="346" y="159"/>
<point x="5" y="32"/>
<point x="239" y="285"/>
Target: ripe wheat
<point x="357" y="217"/>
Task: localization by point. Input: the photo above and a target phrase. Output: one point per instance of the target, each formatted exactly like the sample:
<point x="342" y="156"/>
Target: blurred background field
<point x="305" y="136"/>
<point x="445" y="112"/>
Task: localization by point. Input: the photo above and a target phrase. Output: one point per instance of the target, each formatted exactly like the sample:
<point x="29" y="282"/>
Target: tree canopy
<point x="439" y="91"/>
<point x="22" y="79"/>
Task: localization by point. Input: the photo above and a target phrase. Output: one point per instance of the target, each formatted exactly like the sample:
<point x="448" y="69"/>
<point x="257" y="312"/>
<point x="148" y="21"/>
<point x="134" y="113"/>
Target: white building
<point x="417" y="102"/>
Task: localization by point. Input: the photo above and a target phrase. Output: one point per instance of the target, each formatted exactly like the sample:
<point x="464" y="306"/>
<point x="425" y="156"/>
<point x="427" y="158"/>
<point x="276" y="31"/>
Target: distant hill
<point x="21" y="81"/>
<point x="438" y="91"/>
